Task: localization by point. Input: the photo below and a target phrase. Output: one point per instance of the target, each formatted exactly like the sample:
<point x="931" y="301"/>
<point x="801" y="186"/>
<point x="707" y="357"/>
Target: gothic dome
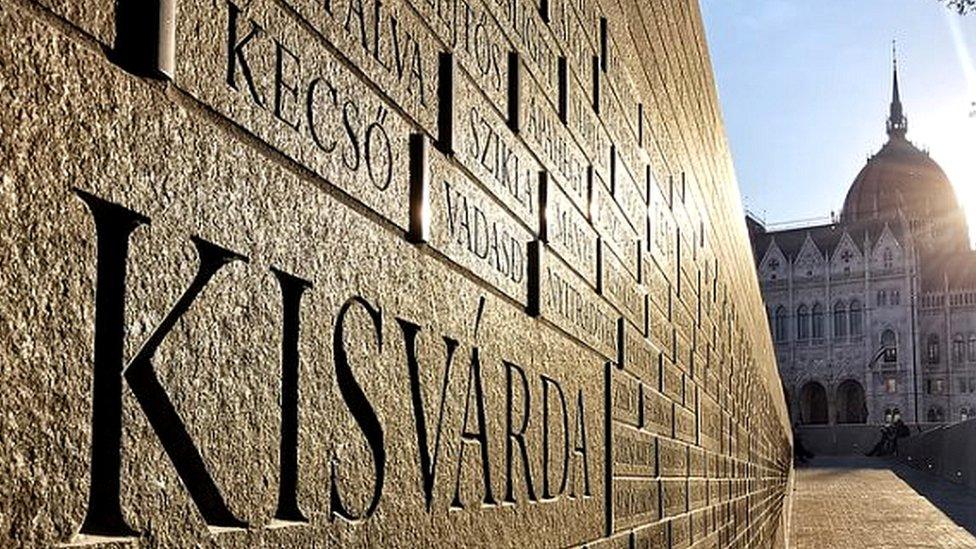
<point x="900" y="178"/>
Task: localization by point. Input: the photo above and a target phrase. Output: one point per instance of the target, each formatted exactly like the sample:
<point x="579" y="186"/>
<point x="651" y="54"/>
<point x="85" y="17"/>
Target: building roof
<point x="825" y="236"/>
<point x="900" y="177"/>
<point x="899" y="187"/>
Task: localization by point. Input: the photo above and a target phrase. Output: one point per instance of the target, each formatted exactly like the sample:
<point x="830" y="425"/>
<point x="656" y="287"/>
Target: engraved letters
<point x="113" y="226"/>
<point x="546" y="435"/>
<point x="488" y="241"/>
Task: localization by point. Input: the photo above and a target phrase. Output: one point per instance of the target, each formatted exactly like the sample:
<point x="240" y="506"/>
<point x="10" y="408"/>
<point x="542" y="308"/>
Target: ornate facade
<point x="874" y="314"/>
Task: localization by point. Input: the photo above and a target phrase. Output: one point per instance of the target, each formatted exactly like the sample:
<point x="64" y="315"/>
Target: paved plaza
<point x="855" y="502"/>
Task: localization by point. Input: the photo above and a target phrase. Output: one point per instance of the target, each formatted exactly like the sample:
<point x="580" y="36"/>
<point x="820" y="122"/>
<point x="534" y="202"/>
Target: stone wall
<point x="291" y="273"/>
<point x="838" y="440"/>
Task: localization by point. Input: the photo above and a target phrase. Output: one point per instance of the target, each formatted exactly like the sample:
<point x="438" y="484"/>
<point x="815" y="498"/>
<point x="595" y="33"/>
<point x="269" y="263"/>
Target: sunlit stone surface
<point x="397" y="273"/>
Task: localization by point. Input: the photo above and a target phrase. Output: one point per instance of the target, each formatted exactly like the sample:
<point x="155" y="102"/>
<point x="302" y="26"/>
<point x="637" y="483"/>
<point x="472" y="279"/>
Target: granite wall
<point x="376" y="273"/>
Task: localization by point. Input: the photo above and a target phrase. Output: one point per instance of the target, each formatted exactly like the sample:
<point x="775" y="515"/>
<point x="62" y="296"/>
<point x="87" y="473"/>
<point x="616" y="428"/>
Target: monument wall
<point x="377" y="273"/>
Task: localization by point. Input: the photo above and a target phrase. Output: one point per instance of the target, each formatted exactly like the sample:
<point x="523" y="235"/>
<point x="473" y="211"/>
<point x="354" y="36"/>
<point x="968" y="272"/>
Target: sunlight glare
<point x="954" y="131"/>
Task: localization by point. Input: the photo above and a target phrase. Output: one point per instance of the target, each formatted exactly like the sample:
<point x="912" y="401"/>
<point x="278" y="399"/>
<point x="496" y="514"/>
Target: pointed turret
<point x="897" y="123"/>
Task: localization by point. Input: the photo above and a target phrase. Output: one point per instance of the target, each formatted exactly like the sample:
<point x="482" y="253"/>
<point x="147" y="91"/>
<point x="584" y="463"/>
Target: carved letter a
<point x="114" y="225"/>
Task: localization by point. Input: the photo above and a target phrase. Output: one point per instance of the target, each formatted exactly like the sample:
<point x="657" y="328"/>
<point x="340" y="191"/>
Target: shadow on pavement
<point x="956" y="501"/>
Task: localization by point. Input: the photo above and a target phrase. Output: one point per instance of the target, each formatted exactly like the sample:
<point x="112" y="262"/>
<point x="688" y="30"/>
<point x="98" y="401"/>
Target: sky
<point x="805" y="87"/>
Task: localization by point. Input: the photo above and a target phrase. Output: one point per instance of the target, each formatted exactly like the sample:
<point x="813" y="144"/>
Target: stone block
<point x="613" y="227"/>
<point x="490" y="150"/>
<point x="282" y="83"/>
<point x="389" y="42"/>
<point x="550" y="140"/>
<point x="658" y="413"/>
<point x="640" y="358"/>
<point x="621" y="289"/>
<point x="585" y="127"/>
<point x="566" y="300"/>
<point x="634" y="452"/>
<point x="480" y="45"/>
<point x="652" y="536"/>
<point x="568" y="233"/>
<point x="635" y="501"/>
<point x="672" y="458"/>
<point x="472" y="229"/>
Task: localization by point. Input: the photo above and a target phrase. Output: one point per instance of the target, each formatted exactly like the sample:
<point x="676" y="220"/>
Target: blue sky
<point x="805" y="87"/>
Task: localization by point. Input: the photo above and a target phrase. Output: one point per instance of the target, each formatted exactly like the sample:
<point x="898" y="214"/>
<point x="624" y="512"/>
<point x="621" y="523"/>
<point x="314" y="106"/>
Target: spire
<point x="897" y="124"/>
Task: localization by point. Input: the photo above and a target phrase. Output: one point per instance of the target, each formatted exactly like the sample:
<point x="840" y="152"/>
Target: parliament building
<point x="873" y="315"/>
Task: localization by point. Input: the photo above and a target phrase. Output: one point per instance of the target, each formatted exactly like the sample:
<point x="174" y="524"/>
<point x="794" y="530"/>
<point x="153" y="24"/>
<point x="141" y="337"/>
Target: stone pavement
<point x="855" y="502"/>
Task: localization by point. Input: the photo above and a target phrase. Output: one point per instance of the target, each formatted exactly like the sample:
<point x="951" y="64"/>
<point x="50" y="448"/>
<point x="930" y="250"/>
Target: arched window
<point x="780" y="323"/>
<point x="881" y="299"/>
<point x="817" y="322"/>
<point x="932" y="349"/>
<point x="890" y="345"/>
<point x="958" y="348"/>
<point x="851" y="407"/>
<point x="889" y="258"/>
<point x="802" y="322"/>
<point x="813" y="403"/>
<point x="856" y="324"/>
<point x="840" y="319"/>
<point x="971" y="348"/>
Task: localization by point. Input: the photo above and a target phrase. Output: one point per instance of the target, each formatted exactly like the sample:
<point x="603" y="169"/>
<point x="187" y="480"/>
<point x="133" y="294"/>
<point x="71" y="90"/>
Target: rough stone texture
<point x="545" y="331"/>
<point x="330" y="121"/>
<point x="496" y="156"/>
<point x="469" y="227"/>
